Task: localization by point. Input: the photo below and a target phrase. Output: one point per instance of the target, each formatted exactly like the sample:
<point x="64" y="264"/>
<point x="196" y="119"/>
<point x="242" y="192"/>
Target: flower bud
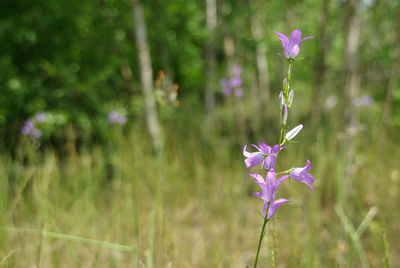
<point x="281" y="98"/>
<point x="284" y="114"/>
<point x="284" y="85"/>
<point x="292" y="133"/>
<point x="290" y="97"/>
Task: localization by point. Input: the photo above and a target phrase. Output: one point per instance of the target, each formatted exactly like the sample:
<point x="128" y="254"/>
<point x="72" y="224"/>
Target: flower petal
<point x="285" y="43"/>
<point x="305" y="38"/>
<point x="274" y="207"/>
<point x="253" y="160"/>
<point x="258" y="177"/>
<point x="294" y="38"/>
<point x="264" y="148"/>
<point x="294" y="51"/>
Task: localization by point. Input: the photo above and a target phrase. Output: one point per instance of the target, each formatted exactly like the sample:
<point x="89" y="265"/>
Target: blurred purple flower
<point x="116" y="117"/>
<point x="238" y="92"/>
<point x="37" y="133"/>
<point x="227" y="91"/>
<point x="40" y="117"/>
<point x="121" y="119"/>
<point x="112" y="116"/>
<point x="235" y="81"/>
<point x="363" y="101"/>
<point x="224" y="82"/>
<point x="237" y="70"/>
<point x="27" y="127"/>
<point x="303" y="175"/>
<point x="291" y="46"/>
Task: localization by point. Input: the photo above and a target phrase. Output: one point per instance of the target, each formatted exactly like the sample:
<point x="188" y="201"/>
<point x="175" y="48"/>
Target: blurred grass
<point x="195" y="209"/>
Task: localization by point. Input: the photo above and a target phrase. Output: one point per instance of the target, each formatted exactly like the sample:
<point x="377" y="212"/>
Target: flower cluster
<point x="233" y="84"/>
<point x="267" y="156"/>
<point x="115" y="117"/>
<point x="30" y="126"/>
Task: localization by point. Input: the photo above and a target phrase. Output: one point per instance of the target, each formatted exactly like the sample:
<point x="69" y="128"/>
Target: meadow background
<point x="167" y="188"/>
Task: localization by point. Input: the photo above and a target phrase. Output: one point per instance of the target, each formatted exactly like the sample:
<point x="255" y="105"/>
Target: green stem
<point x="262" y="234"/>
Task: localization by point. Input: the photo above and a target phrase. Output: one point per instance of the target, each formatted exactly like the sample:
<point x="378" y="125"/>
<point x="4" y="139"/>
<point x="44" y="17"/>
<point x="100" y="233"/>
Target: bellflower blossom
<point x="303" y="175"/>
<point x="268" y="191"/>
<point x="291" y="46"/>
<point x="266" y="156"/>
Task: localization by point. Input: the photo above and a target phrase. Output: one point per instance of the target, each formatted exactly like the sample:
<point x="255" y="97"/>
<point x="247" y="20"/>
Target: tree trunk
<point x="146" y="73"/>
<point x="352" y="83"/>
<point x="257" y="33"/>
<point x="393" y="76"/>
<point x="351" y="91"/>
<point x="211" y="22"/>
<point x="320" y="64"/>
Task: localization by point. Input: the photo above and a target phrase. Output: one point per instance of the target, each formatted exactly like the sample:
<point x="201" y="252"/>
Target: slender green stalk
<point x="262" y="234"/>
<point x="73" y="238"/>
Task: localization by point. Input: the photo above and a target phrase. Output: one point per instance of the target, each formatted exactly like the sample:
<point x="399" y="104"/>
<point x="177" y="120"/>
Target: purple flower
<point x="269" y="186"/>
<point x="227" y="91"/>
<point x="303" y="175"/>
<point x="112" y="116"/>
<point x="268" y="191"/>
<point x="291" y="46"/>
<point x="266" y="155"/>
<point x="237" y="70"/>
<point x="224" y="82"/>
<point x="238" y="92"/>
<point x="27" y="127"/>
<point x="363" y="101"/>
<point x="37" y="133"/>
<point x="273" y="207"/>
<point x="40" y="117"/>
<point x="235" y="81"/>
<point x="121" y="119"/>
<point x="116" y="117"/>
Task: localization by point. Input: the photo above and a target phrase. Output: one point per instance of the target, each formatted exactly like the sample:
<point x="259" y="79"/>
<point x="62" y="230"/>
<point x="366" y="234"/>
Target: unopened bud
<point x="284" y="86"/>
<point x="284" y="114"/>
<point x="281" y="98"/>
<point x="290" y="98"/>
<point x="291" y="134"/>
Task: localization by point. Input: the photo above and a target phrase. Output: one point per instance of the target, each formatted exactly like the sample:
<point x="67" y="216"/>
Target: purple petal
<point x="294" y="38"/>
<point x="264" y="148"/>
<point x="274" y="207"/>
<point x="257" y="194"/>
<point x="254" y="160"/>
<point x="235" y="82"/>
<point x="258" y="177"/>
<point x="294" y="51"/>
<point x="271" y="175"/>
<point x="308" y="37"/>
<point x="285" y="42"/>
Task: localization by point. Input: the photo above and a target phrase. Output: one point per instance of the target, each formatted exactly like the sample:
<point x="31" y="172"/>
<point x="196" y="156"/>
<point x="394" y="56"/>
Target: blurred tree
<point x="146" y="72"/>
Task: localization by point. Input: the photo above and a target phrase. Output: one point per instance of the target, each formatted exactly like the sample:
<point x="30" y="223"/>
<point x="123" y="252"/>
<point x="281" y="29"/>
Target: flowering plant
<point x="267" y="156"/>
